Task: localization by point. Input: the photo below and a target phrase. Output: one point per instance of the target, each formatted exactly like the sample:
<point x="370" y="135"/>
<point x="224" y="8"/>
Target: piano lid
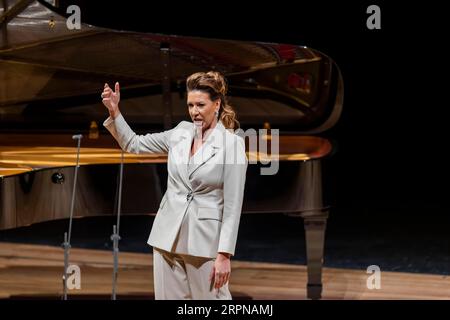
<point x="51" y="77"/>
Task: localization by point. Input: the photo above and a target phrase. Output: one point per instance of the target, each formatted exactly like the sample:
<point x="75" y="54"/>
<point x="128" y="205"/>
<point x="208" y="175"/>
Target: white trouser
<point x="180" y="276"/>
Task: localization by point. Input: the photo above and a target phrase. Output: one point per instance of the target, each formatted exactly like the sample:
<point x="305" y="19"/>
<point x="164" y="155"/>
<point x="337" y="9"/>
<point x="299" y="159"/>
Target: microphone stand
<point x="115" y="237"/>
<point x="66" y="243"/>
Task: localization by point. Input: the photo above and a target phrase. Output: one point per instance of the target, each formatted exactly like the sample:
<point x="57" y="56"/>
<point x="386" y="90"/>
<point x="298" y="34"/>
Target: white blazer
<point x="210" y="191"/>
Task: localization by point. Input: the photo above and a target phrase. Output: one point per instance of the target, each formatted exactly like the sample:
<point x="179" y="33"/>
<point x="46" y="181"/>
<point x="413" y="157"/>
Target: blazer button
<point x="189" y="196"/>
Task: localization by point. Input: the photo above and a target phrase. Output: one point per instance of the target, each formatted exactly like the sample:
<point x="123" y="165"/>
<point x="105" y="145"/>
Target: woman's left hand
<point x="221" y="270"/>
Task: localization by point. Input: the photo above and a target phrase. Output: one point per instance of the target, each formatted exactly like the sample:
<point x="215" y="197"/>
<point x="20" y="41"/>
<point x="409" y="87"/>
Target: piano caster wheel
<point x="58" y="178"/>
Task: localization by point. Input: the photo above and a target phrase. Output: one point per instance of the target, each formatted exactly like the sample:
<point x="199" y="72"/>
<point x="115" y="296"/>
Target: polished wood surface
<point x="35" y="271"/>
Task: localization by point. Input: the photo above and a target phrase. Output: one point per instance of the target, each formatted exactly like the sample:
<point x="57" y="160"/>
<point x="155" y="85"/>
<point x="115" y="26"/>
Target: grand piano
<point x="50" y="83"/>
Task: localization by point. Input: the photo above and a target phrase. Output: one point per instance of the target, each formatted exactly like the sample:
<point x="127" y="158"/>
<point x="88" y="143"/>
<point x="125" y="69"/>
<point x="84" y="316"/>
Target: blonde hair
<point x="215" y="85"/>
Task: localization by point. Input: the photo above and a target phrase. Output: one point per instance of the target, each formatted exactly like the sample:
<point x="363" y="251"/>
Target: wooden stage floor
<point x="35" y="271"/>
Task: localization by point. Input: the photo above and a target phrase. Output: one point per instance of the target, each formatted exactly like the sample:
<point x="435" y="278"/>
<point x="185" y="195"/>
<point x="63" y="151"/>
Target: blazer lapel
<point x="182" y="156"/>
<point x="211" y="146"/>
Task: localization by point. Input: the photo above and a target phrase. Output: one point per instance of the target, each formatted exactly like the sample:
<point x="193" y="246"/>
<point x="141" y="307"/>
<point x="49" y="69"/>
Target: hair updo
<point x="215" y="85"/>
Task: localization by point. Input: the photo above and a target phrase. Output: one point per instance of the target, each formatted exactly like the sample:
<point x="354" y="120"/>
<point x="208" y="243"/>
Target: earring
<point x="217" y="114"/>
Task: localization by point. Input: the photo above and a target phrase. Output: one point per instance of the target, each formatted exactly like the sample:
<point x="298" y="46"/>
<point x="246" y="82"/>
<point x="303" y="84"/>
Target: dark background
<point x="387" y="181"/>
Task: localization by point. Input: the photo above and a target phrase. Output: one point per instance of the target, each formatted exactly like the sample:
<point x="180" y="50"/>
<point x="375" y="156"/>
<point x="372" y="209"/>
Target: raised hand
<point x="111" y="99"/>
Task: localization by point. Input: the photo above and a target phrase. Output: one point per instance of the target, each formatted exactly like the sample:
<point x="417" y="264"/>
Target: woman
<point x="195" y="230"/>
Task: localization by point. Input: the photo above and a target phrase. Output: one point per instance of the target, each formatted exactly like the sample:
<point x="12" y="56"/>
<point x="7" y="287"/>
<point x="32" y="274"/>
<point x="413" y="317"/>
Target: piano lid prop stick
<point x="67" y="235"/>
<point x="115" y="237"/>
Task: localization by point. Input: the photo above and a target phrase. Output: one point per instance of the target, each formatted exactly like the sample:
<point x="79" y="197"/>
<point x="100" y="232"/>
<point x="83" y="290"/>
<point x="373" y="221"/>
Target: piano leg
<point x="315" y="225"/>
